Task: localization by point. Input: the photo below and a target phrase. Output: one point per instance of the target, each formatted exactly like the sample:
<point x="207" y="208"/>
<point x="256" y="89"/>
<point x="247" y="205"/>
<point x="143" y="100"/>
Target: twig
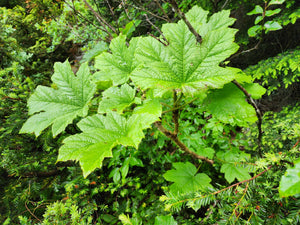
<point x="77" y="13"/>
<point x="151" y="13"/>
<point x="295" y="145"/>
<point x="257" y="111"/>
<point x="182" y="146"/>
<point x="110" y="8"/>
<point x="31" y="212"/>
<point x="123" y="4"/>
<point x="241" y="182"/>
<point x="161" y="33"/>
<point x="210" y="212"/>
<point x="183" y="17"/>
<point x="224" y="4"/>
<point x="164" y="12"/>
<point x="101" y="20"/>
<point x="157" y="39"/>
<point x="237" y="205"/>
<point x="246" y="51"/>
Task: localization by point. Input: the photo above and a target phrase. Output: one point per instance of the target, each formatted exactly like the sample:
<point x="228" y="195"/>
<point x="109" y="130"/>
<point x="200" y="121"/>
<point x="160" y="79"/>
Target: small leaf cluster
<point x="277" y="72"/>
<point x="261" y="25"/>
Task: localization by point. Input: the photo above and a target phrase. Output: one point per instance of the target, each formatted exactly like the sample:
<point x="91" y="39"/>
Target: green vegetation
<point x="149" y="112"/>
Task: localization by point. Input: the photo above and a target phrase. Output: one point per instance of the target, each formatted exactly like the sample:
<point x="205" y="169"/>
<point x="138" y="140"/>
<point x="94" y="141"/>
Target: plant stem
<point x="175" y="113"/>
<point x="257" y="111"/>
<point x="182" y="146"/>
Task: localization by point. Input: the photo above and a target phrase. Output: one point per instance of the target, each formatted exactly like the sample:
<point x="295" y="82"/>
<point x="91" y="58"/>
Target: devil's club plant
<point x="150" y="79"/>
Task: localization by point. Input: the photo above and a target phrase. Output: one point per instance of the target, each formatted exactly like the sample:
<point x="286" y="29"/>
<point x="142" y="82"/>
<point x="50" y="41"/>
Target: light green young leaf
<point x="130" y="27"/>
<point x="290" y="182"/>
<point x="186" y="179"/>
<point x="117" y="99"/>
<point x="95" y="51"/>
<point x="276" y="2"/>
<point x="102" y="133"/>
<point x="233" y="171"/>
<point x="206" y="152"/>
<point x="272" y="26"/>
<point x="229" y="104"/>
<point x="184" y="64"/>
<point x="165" y="220"/>
<point x="252" y="31"/>
<point x="119" y="65"/>
<point x="125" y="219"/>
<point x="257" y="10"/>
<point x="58" y="107"/>
<point x="257" y="20"/>
<point x="272" y="12"/>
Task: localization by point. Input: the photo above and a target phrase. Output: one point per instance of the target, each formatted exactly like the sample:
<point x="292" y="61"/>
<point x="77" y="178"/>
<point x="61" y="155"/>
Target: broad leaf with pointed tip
<point x="184" y="64"/>
<point x="229" y="104"/>
<point x="58" y="107"/>
<point x="186" y="179"/>
<point x="117" y="66"/>
<point x="118" y="98"/>
<point x="101" y="133"/>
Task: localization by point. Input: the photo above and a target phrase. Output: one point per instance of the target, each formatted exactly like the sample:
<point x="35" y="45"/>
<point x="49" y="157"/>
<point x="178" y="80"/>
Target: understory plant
<point x="176" y="84"/>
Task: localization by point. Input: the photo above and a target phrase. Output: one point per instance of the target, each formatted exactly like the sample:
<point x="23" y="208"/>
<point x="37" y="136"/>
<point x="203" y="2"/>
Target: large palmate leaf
<point x="58" y="107"/>
<point x="185" y="178"/>
<point x="290" y="182"/>
<point x="102" y="133"/>
<point x="229" y="104"/>
<point x="118" y="99"/>
<point x="184" y="64"/>
<point x="117" y="66"/>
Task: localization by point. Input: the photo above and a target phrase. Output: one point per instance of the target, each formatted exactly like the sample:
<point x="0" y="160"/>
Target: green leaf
<point x="257" y="10"/>
<point x="206" y="152"/>
<point x="185" y="178"/>
<point x="95" y="51"/>
<point x="119" y="65"/>
<point x="130" y="27"/>
<point x="272" y="12"/>
<point x="290" y="182"/>
<point x="252" y="31"/>
<point x="115" y="174"/>
<point x="164" y="220"/>
<point x="102" y="133"/>
<point x="229" y="104"/>
<point x="58" y="107"/>
<point x="125" y="219"/>
<point x="272" y="26"/>
<point x="184" y="64"/>
<point x="276" y="2"/>
<point x="117" y="99"/>
<point x="233" y="171"/>
<point x="257" y="20"/>
<point x="233" y="155"/>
